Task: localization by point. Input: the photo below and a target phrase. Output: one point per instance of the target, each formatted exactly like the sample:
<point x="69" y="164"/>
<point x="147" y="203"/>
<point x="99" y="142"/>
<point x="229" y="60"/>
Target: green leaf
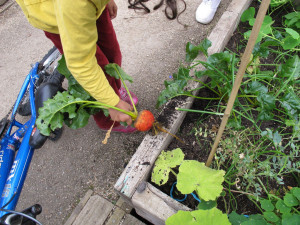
<point x="52" y="113"/>
<point x="116" y="71"/>
<point x="205" y="205"/>
<point x="283" y="208"/>
<point x="195" y="176"/>
<point x="248" y="14"/>
<point x="64" y="107"/>
<point x="221" y="60"/>
<point x="289" y="43"/>
<point x="296" y="192"/>
<point x="270" y="216"/>
<point x="291" y="103"/>
<point x="236" y="219"/>
<point x="267" y="205"/>
<point x="256" y="87"/>
<point x="192" y="51"/>
<point x="74" y="88"/>
<point x="267" y="101"/>
<point x="173" y="90"/>
<point x="164" y="163"/>
<point x="81" y="119"/>
<point x="293" y="33"/>
<point x="203" y="217"/>
<point x="182" y="74"/>
<point x="261" y="50"/>
<point x="62" y="67"/>
<point x="255" y="220"/>
<point x="266" y="27"/>
<point x="292" y="220"/>
<point x="291" y="68"/>
<point x="290" y="200"/>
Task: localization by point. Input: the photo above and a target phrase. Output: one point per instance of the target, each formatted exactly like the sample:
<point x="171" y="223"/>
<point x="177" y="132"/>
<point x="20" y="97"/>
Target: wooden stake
<point x="243" y="66"/>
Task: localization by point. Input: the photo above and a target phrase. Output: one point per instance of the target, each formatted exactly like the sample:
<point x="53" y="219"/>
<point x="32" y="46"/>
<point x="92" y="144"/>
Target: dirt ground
<point x="61" y="172"/>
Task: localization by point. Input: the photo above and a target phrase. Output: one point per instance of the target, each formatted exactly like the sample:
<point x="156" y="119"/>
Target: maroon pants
<point x="108" y="51"/>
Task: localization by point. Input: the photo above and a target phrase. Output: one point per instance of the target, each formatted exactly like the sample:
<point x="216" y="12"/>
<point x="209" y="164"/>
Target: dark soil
<point x="197" y="147"/>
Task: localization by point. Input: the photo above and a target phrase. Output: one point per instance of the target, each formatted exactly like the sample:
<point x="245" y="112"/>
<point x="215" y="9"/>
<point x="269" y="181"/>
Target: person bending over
<point x="83" y="32"/>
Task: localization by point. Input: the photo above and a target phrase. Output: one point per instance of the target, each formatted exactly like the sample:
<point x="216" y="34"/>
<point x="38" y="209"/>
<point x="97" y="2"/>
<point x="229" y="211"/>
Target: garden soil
<point x="61" y="172"/>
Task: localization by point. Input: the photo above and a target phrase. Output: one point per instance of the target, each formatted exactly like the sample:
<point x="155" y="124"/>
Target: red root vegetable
<point x="144" y="121"/>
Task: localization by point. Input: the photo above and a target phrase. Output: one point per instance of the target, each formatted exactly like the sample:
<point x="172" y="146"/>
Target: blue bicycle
<point x="18" y="141"/>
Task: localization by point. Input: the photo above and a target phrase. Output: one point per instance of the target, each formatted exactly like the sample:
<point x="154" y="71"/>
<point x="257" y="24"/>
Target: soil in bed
<point x="198" y="132"/>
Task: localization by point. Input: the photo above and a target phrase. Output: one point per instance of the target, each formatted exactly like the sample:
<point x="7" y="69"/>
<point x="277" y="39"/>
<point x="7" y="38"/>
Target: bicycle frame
<point x="16" y="154"/>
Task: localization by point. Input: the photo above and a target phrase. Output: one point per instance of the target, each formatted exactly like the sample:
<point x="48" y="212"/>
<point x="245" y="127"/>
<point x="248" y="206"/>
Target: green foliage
<point x="195" y="176"/>
<point x="192" y="51"/>
<point x="74" y="88"/>
<point x="63" y="107"/>
<point x="236" y="219"/>
<point x="205" y="205"/>
<point x="74" y="106"/>
<point x="164" y="163"/>
<point x="292" y="20"/>
<point x="116" y="71"/>
<point x="192" y="175"/>
<point x="284" y="212"/>
<point x="288" y="38"/>
<point x="203" y="217"/>
<point x="281" y="214"/>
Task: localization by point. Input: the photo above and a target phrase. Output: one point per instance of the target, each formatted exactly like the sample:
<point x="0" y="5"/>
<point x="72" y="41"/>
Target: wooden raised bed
<point x="132" y="185"/>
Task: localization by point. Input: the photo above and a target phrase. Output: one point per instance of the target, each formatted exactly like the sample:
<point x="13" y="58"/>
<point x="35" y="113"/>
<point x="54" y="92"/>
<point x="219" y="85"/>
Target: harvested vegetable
<point x="144" y="121"/>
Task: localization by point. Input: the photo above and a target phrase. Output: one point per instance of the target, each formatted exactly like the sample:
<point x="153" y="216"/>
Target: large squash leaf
<point x="195" y="176"/>
<point x="203" y="217"/>
<point x="164" y="163"/>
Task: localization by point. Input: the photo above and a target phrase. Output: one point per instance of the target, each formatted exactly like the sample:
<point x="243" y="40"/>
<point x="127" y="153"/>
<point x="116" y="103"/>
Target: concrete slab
<point x="61" y="172"/>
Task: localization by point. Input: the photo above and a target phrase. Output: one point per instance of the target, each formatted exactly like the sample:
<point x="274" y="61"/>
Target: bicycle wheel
<point x="46" y="68"/>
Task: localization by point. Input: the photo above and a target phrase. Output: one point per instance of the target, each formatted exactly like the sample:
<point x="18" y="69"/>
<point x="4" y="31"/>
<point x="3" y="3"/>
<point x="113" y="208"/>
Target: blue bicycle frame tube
<point x="13" y="171"/>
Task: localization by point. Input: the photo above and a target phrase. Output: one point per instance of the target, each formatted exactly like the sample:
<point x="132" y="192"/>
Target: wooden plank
<point x="79" y="207"/>
<point x="154" y="205"/>
<point x="131" y="220"/>
<point x="95" y="212"/>
<point x="140" y="165"/>
<point x="124" y="205"/>
<point x="116" y="217"/>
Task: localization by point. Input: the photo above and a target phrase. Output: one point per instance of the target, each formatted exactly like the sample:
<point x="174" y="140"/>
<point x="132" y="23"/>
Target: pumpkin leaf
<point x="203" y="217"/>
<point x="195" y="176"/>
<point x="164" y="163"/>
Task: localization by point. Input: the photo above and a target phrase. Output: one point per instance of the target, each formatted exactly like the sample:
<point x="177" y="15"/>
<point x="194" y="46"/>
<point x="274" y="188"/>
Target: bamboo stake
<point x="244" y="63"/>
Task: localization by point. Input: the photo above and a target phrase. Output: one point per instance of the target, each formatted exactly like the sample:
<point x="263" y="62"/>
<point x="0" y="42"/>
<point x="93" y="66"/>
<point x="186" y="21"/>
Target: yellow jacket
<point x="75" y="21"/>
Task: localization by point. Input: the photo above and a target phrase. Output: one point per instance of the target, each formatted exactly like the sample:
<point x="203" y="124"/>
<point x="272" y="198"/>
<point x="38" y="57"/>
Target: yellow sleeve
<point x="78" y="32"/>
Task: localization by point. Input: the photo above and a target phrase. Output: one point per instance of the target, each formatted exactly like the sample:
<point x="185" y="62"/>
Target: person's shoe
<point x="207" y="10"/>
<point x="121" y="129"/>
<point x="125" y="97"/>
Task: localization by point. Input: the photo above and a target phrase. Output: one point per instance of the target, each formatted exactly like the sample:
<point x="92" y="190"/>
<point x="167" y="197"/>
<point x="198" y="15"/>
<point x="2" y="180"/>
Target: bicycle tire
<point x="52" y="55"/>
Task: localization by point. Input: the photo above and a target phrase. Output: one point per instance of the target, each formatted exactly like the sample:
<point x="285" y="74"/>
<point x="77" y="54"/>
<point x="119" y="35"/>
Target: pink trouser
<point x="108" y="51"/>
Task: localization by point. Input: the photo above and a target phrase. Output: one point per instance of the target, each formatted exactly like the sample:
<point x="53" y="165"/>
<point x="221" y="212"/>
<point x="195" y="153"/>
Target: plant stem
<point x="125" y="86"/>
<point x="241" y="192"/>
<point x="100" y="105"/>
<point x="173" y="172"/>
<point x="199" y="81"/>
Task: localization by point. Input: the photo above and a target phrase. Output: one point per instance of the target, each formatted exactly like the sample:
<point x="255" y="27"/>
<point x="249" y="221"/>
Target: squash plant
<point x="192" y="176"/>
<point x="207" y="183"/>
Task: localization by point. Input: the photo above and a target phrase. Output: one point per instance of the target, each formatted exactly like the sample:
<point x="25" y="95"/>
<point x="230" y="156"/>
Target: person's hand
<point x="112" y="9"/>
<point x="119" y="116"/>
